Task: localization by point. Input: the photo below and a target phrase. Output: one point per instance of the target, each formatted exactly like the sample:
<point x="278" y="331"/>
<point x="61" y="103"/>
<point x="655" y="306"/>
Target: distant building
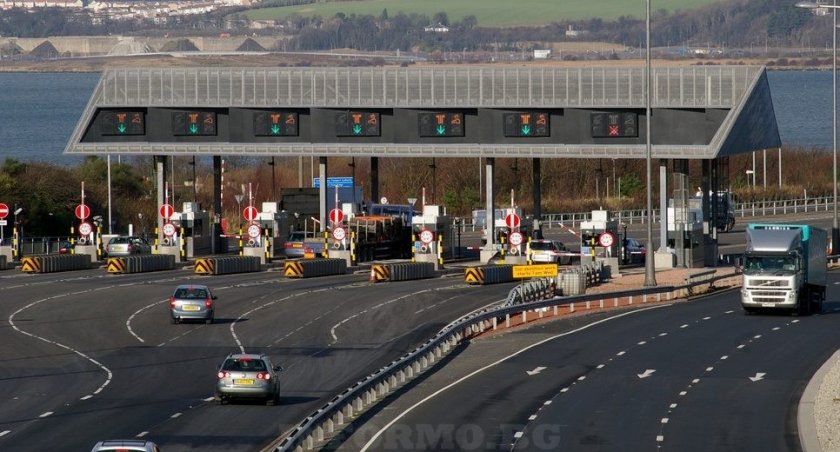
<point x="541" y="54"/>
<point x="572" y="33"/>
<point x="437" y="28"/>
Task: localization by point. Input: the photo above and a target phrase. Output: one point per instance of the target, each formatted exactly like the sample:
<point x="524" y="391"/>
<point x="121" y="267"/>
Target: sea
<point x="38" y="111"/>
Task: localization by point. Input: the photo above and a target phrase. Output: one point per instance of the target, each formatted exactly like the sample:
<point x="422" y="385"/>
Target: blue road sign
<point x="340" y="182"/>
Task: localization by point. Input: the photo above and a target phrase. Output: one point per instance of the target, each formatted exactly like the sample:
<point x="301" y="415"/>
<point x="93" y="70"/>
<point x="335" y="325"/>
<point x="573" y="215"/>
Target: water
<point x="38" y="111"/>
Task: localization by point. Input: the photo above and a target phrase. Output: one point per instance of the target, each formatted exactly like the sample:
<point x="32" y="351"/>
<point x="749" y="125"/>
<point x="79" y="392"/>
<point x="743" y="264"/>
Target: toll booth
<point x="340" y="241"/>
<point x="600" y="240"/>
<point x="274" y="225"/>
<point x="685" y="233"/>
<point x="193" y="233"/>
<point x="502" y="232"/>
<point x="429" y="234"/>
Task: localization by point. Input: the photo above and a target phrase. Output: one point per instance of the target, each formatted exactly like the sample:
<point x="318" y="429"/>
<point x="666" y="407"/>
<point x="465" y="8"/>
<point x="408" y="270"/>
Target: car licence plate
<point x="297" y="245"/>
<point x="243" y="381"/>
<point x="191" y="307"/>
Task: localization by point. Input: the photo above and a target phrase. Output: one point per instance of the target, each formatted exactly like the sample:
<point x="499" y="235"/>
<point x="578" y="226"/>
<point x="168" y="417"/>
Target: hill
<point x="489" y="13"/>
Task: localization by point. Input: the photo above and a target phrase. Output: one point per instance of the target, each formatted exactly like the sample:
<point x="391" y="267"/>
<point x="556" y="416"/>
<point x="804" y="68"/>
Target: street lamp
<point x="650" y="273"/>
<point x="835" y="230"/>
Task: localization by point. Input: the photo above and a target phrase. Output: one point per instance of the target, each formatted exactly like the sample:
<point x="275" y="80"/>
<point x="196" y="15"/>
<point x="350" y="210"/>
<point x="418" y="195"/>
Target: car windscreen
<point x="189" y="294"/>
<point x="244" y="365"/>
<point x="542" y="246"/>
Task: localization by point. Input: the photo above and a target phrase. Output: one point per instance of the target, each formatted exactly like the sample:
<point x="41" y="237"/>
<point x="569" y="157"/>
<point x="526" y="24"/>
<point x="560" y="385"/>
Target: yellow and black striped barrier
<point x="204" y="266"/>
<point x="116" y="265"/>
<point x="305" y="268"/>
<point x="474" y="275"/>
<point x="48" y="263"/>
<point x="228" y="264"/>
<point x="380" y="273"/>
<point x="30" y="264"/>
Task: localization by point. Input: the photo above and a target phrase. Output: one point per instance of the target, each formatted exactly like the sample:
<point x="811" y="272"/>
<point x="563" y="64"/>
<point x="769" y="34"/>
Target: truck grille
<point x="758" y="283"/>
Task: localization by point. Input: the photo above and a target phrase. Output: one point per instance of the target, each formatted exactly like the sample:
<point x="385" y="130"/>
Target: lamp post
<point x="650" y="273"/>
<point x="835" y="230"/>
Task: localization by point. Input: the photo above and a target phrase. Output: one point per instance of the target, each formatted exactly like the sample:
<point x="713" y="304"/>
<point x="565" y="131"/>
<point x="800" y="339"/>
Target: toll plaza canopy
<point x="698" y="112"/>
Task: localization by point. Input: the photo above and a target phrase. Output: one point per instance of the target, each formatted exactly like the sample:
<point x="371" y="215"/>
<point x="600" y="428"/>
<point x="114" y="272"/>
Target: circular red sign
<point x="339" y="233"/>
<point x="426" y="236"/>
<point x="336" y="215"/>
<point x="516" y="239"/>
<point x="82" y="211"/>
<point x="254" y="231"/>
<point x="85" y="228"/>
<point x="166" y="210"/>
<point x="169" y="229"/>
<point x="4" y="210"/>
<point x="606" y="239"/>
<point x="250" y="213"/>
<point x="512" y="220"/>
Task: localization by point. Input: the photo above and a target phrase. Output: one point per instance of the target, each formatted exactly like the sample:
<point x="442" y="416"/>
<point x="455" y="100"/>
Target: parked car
<point x="66" y="248"/>
<point x="299" y="241"/>
<point x="126" y="445"/>
<point x="633" y="251"/>
<point x="127" y="246"/>
<point x="247" y="375"/>
<point x="550" y="251"/>
<point x="192" y="302"/>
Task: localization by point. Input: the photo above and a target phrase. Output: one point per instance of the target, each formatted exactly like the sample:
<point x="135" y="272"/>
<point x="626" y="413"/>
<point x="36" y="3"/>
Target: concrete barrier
<point x="489" y="274"/>
<point x="140" y="264"/>
<point x="227" y="265"/>
<point x="49" y="263"/>
<point x="305" y="268"/>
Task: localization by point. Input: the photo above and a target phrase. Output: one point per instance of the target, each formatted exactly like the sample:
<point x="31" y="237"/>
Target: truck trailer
<point x="784" y="267"/>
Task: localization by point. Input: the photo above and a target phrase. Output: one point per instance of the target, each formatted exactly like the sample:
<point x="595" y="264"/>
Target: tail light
<point x="208" y="303"/>
<point x="172" y="302"/>
<point x="223" y="374"/>
<point x="263" y="376"/>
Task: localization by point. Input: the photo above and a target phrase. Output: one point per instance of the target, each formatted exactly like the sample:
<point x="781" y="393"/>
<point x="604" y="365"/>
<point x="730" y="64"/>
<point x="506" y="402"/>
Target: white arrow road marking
<point x="758" y="376"/>
<point x="535" y="371"/>
<point x="646" y="373"/>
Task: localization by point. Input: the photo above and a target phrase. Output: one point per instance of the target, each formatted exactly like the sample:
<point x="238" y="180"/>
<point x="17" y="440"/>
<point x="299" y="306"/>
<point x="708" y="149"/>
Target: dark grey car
<point x="192" y="302"/>
<point x="247" y="375"/>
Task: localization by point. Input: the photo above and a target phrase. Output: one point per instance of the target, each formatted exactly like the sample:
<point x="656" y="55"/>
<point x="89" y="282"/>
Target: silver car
<point x="126" y="445"/>
<point x="550" y="252"/>
<point x="127" y="246"/>
<point x="192" y="302"/>
<point x="247" y="375"/>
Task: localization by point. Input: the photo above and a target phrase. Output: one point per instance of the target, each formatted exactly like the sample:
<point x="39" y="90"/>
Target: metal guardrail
<point x="377" y="385"/>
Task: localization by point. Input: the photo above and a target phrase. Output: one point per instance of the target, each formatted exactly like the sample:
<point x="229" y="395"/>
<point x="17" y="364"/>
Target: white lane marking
<point x="264" y="305"/>
<point x="176" y="415"/>
<point x="547" y="402"/>
<point x="364" y="311"/>
<point x="491" y="365"/>
<point x="706" y="318"/>
<point x="741" y="346"/>
<point x="664" y="420"/>
<point x="582" y="377"/>
<point x="660" y="438"/>
<point x="209" y="399"/>
<point x="134" y="314"/>
<point x="758" y="377"/>
<point x="684" y="325"/>
<point x="709" y="369"/>
<point x="518" y="435"/>
<point x="5" y="432"/>
<point x="729" y="312"/>
<point x="673" y="405"/>
<point x="794" y="321"/>
<point x="536" y="370"/>
<point x="757" y="336"/>
<point x="141" y="434"/>
<point x="642" y="343"/>
<point x="48" y="413"/>
<point x="776" y="328"/>
<point x="86" y="397"/>
<point x="532" y="417"/>
<point x="682" y="393"/>
<point x="646" y="373"/>
<point x="11" y="320"/>
<point x="695" y="381"/>
<point x="564" y="389"/>
<point x="600" y="366"/>
<point x="724" y="357"/>
<point x="620" y="353"/>
<point x="663" y="334"/>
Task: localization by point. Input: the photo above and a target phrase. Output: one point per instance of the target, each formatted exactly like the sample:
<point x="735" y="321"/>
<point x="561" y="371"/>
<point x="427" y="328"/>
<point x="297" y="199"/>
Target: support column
<point x="215" y="229"/>
<point x="160" y="176"/>
<point x="489" y="250"/>
<point x="322" y="193"/>
<point x="536" y="176"/>
<point x="662" y="258"/>
<point x="374" y="179"/>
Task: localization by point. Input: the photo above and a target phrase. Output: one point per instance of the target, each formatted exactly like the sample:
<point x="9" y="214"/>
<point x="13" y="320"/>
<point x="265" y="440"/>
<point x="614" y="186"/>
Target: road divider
<point x="49" y="263"/>
<point x="227" y="265"/>
<point x="306" y="268"/>
<point x="406" y="271"/>
<point x="140" y="264"/>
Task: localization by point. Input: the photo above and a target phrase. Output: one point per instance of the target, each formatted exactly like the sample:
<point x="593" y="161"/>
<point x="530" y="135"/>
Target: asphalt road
<point x="691" y="376"/>
<point x="88" y="355"/>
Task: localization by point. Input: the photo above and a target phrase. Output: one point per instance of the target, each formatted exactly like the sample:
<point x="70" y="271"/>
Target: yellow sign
<point x="534" y="271"/>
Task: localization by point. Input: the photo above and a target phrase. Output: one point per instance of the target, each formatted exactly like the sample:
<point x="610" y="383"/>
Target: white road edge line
<point x="5" y="432"/>
<point x="131" y="317"/>
<point x="476" y="372"/>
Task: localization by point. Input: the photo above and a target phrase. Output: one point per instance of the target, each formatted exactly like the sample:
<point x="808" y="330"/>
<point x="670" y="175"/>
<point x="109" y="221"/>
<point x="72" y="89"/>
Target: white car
<point x="549" y="252"/>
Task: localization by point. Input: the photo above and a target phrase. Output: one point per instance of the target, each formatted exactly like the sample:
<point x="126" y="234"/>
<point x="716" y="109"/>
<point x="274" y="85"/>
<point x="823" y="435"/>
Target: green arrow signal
<point x="441" y="130"/>
<point x="121" y="128"/>
<point x="275" y="129"/>
<point x="526" y="130"/>
<point x="193" y="128"/>
<point x="357" y="129"/>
